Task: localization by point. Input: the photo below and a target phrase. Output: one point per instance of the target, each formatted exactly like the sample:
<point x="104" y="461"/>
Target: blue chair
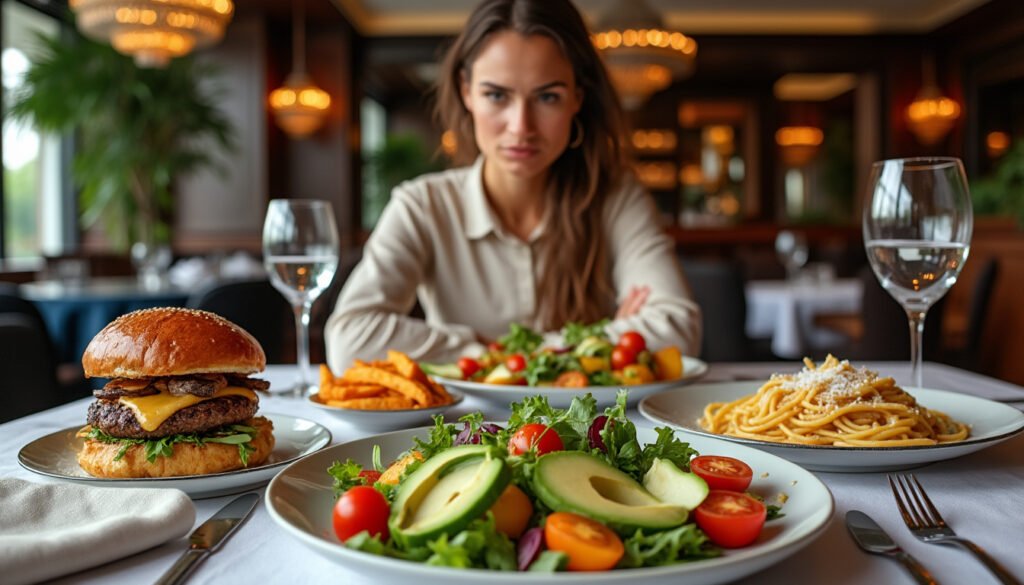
<point x="29" y="367"/>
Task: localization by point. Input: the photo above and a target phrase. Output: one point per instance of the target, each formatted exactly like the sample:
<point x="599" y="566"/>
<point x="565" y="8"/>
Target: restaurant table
<point x="981" y="495"/>
<point x="784" y="311"/>
<point x="74" y="312"/>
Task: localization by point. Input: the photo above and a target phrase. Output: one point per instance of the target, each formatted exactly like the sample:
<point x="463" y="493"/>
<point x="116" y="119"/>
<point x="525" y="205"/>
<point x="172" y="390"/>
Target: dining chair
<point x="718" y="287"/>
<point x="257" y="307"/>
<point x="969" y="355"/>
<point x="29" y="367"/>
<point x="886" y="332"/>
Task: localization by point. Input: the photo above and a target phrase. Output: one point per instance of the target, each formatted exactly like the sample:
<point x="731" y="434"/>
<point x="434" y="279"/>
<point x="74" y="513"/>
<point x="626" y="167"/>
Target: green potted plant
<point x="136" y="130"/>
<point x="1001" y="192"/>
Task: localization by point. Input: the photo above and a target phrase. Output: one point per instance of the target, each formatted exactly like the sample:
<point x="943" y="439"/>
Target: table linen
<point x="982" y="493"/>
<point x="784" y="311"/>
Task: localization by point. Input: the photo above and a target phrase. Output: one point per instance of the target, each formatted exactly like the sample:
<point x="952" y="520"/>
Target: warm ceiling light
<point x="641" y="55"/>
<point x="997" y="143"/>
<point x="798" y="144"/>
<point x="299" y="106"/>
<point x="931" y="115"/>
<point x="153" y="31"/>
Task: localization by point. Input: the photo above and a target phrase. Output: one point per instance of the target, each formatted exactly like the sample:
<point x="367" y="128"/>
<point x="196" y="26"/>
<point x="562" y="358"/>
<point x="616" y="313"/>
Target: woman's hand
<point x="634" y="301"/>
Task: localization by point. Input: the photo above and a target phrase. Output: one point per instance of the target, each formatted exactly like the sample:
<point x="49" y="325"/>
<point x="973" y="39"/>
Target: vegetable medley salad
<point x="586" y="357"/>
<point x="551" y="490"/>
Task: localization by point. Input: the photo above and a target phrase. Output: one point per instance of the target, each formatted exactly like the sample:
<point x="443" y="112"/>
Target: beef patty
<point x="116" y="419"/>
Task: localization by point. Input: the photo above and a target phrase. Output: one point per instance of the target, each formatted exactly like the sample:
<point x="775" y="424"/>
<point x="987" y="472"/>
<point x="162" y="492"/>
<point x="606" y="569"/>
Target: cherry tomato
<point x="722" y="473"/>
<point x="469" y="366"/>
<point x="591" y="546"/>
<point x="633" y="341"/>
<point x="515" y="362"/>
<point x="730" y="519"/>
<point x="622" y="357"/>
<point x="361" y="508"/>
<point x="370" y="476"/>
<point x="535" y="437"/>
<point x="495" y="347"/>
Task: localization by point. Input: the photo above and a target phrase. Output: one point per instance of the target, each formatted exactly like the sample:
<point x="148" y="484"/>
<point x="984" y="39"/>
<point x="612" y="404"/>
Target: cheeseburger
<point x="179" y="400"/>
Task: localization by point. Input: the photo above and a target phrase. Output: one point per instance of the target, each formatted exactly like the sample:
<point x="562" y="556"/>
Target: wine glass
<point x="791" y="248"/>
<point x="917" y="234"/>
<point x="300" y="251"/>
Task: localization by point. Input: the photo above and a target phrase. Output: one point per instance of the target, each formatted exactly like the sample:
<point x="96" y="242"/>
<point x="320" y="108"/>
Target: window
<point x="33" y="186"/>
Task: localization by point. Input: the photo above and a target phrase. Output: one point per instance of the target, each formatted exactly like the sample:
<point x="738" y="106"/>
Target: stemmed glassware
<point x="300" y="251"/>
<point x="917" y="232"/>
<point x="791" y="248"/>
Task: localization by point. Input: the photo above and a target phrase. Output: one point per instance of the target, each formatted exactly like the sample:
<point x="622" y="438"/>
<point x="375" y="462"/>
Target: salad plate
<point x="693" y="369"/>
<point x="990" y="423"/>
<point x="300" y="500"/>
<point x="54" y="455"/>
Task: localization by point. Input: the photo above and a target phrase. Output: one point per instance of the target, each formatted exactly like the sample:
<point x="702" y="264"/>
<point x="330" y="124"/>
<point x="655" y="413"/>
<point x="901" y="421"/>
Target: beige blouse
<point x="438" y="240"/>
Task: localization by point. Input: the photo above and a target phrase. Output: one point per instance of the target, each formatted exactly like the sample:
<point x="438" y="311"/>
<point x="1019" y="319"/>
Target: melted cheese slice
<point x="151" y="411"/>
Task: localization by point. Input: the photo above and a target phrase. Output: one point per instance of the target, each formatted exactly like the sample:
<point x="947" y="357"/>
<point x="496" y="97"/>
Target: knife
<point x="870" y="537"/>
<point x="209" y="536"/>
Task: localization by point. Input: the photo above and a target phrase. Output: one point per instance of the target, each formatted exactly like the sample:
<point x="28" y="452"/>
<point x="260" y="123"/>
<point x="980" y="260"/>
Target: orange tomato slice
<point x="590" y="545"/>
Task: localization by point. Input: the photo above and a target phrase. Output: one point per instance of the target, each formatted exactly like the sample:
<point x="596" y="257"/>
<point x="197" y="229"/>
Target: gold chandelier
<point x="299" y="106"/>
<point x="154" y="31"/>
<point x="642" y="56"/>
<point x="931" y="115"/>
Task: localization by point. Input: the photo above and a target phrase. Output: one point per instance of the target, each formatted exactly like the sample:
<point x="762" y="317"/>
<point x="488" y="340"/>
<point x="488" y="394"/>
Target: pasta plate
<point x="990" y="423"/>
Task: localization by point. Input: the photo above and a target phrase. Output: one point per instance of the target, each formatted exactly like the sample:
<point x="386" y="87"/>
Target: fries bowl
<point x="386" y="420"/>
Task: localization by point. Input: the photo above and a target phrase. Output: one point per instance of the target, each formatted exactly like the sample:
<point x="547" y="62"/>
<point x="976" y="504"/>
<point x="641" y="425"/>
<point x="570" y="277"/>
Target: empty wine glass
<point x="300" y="251"/>
<point x="791" y="248"/>
<point x="917" y="234"/>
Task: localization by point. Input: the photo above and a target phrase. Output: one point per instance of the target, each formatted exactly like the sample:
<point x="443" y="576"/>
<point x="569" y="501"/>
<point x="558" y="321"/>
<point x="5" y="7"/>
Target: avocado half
<point x="446" y="493"/>
<point x="578" y="482"/>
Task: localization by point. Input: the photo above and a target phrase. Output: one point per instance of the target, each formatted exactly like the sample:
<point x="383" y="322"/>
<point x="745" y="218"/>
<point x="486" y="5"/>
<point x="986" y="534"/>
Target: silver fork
<point x="925" y="523"/>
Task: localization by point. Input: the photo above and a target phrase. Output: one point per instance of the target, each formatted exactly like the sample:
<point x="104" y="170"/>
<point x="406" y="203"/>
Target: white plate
<point x="990" y="423"/>
<point x="300" y="501"/>
<point x="386" y="420"/>
<point x="693" y="369"/>
<point x="55" y="456"/>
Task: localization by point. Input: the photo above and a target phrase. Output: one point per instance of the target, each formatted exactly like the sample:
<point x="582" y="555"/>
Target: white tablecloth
<point x="988" y="488"/>
<point x="784" y="311"/>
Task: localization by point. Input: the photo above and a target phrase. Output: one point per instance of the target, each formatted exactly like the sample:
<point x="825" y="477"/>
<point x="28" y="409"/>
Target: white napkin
<point x="49" y="530"/>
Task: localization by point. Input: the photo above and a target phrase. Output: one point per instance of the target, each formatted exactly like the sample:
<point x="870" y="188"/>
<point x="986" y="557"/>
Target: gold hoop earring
<point x="578" y="141"/>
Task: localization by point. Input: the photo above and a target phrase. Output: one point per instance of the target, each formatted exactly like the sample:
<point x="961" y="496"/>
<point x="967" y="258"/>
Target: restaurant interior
<point x="753" y="124"/>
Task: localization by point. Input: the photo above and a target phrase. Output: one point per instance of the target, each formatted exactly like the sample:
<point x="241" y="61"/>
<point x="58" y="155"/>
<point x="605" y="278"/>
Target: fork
<point x="925" y="523"/>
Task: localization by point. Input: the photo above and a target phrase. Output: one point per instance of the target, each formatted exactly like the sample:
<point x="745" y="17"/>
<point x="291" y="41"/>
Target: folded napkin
<point x="49" y="530"/>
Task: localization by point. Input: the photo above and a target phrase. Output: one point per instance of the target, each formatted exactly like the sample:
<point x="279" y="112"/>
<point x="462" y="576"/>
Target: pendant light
<point x="299" y="106"/>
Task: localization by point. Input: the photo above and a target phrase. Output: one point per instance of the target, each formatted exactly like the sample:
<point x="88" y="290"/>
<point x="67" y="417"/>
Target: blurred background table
<point x="784" y="311"/>
<point x="75" y="311"/>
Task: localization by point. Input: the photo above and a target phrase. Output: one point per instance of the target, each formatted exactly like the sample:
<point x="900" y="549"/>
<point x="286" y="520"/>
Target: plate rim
<point x="458" y="397"/>
<point x="176" y="478"/>
<point x="759" y="558"/>
<point x="642" y="408"/>
<point x="480" y="388"/>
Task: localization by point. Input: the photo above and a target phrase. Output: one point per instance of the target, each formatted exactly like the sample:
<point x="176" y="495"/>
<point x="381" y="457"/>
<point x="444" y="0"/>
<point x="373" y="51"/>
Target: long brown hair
<point x="573" y="250"/>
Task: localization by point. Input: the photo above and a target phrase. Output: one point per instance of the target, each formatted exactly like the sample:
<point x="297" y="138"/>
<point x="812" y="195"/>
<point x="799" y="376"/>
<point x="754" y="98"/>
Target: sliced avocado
<point x="672" y="485"/>
<point x="574" y="481"/>
<point x="451" y="371"/>
<point x="499" y="375"/>
<point x="446" y="493"/>
<point x="593" y="347"/>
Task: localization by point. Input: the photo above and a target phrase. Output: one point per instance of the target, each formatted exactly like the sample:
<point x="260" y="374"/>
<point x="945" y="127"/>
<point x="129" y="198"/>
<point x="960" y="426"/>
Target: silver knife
<point x="870" y="537"/>
<point x="209" y="536"/>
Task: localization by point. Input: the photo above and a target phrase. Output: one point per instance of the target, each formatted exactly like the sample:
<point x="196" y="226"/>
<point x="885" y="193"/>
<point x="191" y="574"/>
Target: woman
<point x="545" y="227"/>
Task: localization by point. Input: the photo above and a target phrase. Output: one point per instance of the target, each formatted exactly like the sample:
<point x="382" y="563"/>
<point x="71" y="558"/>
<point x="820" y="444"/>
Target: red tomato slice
<point x="730" y="519"/>
<point x="722" y="473"/>
<point x="535" y="437"/>
<point x="515" y="362"/>
<point x="370" y="476"/>
<point x="361" y="508"/>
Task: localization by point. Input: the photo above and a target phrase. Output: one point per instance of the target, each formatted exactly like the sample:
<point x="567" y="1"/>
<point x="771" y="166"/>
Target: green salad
<point x="549" y="490"/>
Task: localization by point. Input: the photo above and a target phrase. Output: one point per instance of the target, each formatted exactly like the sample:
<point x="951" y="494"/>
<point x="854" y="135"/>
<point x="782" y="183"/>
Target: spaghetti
<point x="832" y="404"/>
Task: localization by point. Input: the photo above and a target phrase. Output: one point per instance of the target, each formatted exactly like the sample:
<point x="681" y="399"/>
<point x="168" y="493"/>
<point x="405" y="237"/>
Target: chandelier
<point x="153" y="31"/>
<point x="642" y="56"/>
<point x="299" y="106"/>
<point x="931" y="115"/>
